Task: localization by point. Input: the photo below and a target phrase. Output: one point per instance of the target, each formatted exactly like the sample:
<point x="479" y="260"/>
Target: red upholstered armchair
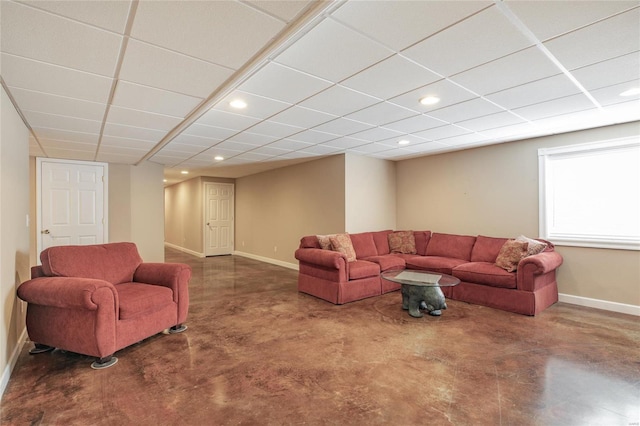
<point x="97" y="299"/>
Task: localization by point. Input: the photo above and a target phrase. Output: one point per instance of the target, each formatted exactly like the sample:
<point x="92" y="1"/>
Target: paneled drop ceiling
<point x="134" y="81"/>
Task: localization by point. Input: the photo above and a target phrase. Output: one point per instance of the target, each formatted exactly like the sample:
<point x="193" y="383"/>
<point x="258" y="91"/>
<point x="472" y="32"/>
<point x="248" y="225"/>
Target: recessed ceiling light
<point x="238" y="103"/>
<point x="404" y="142"/>
<point x="184" y="172"/>
<point x="429" y="100"/>
<point x="218" y="158"/>
<point x="631" y="92"/>
<point x="164" y="180"/>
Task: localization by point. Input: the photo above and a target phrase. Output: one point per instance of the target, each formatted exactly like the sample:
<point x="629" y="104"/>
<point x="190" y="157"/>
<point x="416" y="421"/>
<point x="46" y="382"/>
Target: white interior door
<point x="218" y="215"/>
<point x="72" y="203"/>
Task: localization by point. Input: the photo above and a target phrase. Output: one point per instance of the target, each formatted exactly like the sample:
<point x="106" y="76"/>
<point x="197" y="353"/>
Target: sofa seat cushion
<point x="363" y="269"/>
<point x="388" y="261"/>
<point x="138" y="299"/>
<point x="440" y="264"/>
<point x="485" y="273"/>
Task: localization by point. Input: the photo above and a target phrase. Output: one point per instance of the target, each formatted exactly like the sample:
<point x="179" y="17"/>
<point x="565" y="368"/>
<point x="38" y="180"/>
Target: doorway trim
<point x="204" y="215"/>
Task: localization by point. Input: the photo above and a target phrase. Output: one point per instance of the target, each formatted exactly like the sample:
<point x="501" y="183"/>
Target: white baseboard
<point x="600" y="304"/>
<point x="267" y="260"/>
<point x="185" y="250"/>
<point x="13" y="359"/>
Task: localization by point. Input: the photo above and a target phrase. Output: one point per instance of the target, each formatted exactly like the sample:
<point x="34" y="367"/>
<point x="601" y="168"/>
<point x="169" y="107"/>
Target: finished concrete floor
<point x="257" y="352"/>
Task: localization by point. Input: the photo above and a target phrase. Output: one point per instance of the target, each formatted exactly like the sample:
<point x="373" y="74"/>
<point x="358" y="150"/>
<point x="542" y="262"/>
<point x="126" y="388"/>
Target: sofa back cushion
<point x="486" y="249"/>
<point x="422" y="241"/>
<point x="364" y="245"/>
<point x="381" y="239"/>
<point x="113" y="262"/>
<point x="450" y="245"/>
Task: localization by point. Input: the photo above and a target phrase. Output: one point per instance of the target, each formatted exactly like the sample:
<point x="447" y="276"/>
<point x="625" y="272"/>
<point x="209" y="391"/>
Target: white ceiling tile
<point x="278" y="82"/>
<point x="60" y="122"/>
<point x="302" y="117"/>
<point x="391" y="77"/>
<point x="414" y="124"/>
<point x="290" y="144"/>
<point x="39" y="35"/>
<point x="226" y="120"/>
<point x="481" y="38"/>
<point x="148" y="120"/>
<point x="327" y="52"/>
<point x="339" y="101"/>
<point x="257" y="106"/>
<point x="27" y="74"/>
<point x="277" y="130"/>
<point x="345" y="143"/>
<point x="377" y="134"/>
<point x="62" y="135"/>
<point x="209" y="132"/>
<point x="606" y="73"/>
<point x="370" y="148"/>
<point x="297" y="154"/>
<point x="49" y="144"/>
<point x="117" y="141"/>
<point x="442" y="132"/>
<point x="342" y="126"/>
<point x="465" y="110"/>
<point x="470" y="138"/>
<point x="560" y="106"/>
<point x="71" y="154"/>
<point x="611" y="94"/>
<point x="180" y="73"/>
<point x="183" y="148"/>
<point x="269" y="150"/>
<point x="236" y="31"/>
<point x="507" y="132"/>
<point x="120" y="150"/>
<point x="535" y="92"/>
<point x="500" y="119"/>
<point x="604" y="40"/>
<point x="394" y="142"/>
<point x="53" y="104"/>
<point x="112" y="129"/>
<point x="253" y="139"/>
<point x="234" y="146"/>
<point x="548" y="19"/>
<point x="226" y="153"/>
<point x="382" y="113"/>
<point x="124" y="157"/>
<point x="525" y="66"/>
<point x="448" y="93"/>
<point x="312" y="136"/>
<point x="321" y="150"/>
<point x="285" y="10"/>
<point x="400" y="24"/>
<point x="135" y="96"/>
<point x="198" y="141"/>
<point x="110" y="15"/>
<point x="425" y="147"/>
<point x="252" y="156"/>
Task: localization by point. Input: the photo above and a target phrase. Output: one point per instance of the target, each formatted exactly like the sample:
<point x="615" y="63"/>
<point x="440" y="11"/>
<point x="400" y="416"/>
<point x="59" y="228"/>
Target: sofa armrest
<point x="176" y="276"/>
<point x="326" y="258"/>
<point x="68" y="292"/>
<point x="536" y="265"/>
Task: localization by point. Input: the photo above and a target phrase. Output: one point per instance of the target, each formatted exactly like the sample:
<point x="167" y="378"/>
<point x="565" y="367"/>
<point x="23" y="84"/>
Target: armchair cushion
<point x="138" y="300"/>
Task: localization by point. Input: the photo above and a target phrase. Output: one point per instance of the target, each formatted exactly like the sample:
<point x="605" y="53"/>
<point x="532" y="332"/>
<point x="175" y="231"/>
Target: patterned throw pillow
<point x="402" y="242"/>
<point x="510" y="255"/>
<point x="535" y="246"/>
<point x="325" y="242"/>
<point x="342" y="243"/>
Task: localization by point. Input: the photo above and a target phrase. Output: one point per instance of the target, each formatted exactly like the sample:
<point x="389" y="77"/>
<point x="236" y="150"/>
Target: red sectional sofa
<point x="530" y="289"/>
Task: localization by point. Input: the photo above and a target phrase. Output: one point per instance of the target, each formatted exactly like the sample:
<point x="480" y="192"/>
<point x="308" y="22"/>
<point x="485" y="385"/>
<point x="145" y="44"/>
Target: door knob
<point x="46" y="231"/>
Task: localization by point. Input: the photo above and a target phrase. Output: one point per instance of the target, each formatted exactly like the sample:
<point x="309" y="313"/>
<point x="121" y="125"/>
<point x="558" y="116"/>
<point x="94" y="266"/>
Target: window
<point x="590" y="194"/>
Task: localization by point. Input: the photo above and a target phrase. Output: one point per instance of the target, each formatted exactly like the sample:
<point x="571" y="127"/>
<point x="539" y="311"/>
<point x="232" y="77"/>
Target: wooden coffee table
<point x="421" y="290"/>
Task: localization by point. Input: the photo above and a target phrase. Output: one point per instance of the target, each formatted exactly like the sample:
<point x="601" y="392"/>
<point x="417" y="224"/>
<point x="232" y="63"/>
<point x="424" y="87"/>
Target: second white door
<point x="218" y="211"/>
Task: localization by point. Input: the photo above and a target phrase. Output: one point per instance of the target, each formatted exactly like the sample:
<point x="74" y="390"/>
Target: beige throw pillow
<point x="325" y="242"/>
<point x="510" y="255"/>
<point x="402" y="242"/>
<point x="342" y="243"/>
<point x="535" y="246"/>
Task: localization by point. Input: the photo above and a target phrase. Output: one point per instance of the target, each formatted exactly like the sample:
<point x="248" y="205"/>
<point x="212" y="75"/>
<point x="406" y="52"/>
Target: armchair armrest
<point x="176" y="276"/>
<point x="326" y="258"/>
<point x="68" y="292"/>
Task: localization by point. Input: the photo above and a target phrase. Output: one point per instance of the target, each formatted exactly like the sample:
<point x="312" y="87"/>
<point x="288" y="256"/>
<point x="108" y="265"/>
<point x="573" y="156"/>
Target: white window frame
<point x="545" y="158"/>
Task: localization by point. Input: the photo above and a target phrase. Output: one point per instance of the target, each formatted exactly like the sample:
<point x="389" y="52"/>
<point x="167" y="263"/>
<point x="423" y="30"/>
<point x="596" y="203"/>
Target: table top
<point x="420" y="278"/>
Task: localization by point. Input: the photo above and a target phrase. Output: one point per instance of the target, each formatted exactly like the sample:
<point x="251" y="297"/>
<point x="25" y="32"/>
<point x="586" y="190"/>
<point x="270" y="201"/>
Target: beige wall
<point x="14" y="232"/>
<point x="370" y="194"/>
<point x="277" y="207"/>
<point x="493" y="191"/>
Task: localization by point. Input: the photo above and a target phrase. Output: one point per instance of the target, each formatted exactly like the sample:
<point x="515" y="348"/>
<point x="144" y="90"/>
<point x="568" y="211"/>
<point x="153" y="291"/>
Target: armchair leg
<point x="39" y="348"/>
<point x="177" y="329"/>
<point x="104" y="362"/>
